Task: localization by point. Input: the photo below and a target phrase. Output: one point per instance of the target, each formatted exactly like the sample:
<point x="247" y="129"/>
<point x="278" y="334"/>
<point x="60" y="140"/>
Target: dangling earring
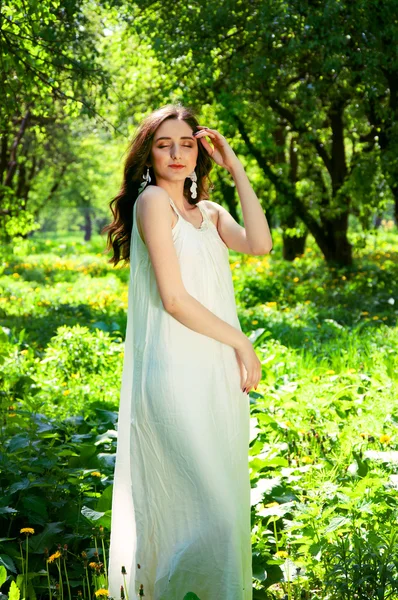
<point x="147" y="179"/>
<point x="194" y="186"/>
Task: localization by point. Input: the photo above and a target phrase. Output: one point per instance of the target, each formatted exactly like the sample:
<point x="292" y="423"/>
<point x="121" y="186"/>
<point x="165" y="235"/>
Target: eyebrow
<point x="181" y="138"/>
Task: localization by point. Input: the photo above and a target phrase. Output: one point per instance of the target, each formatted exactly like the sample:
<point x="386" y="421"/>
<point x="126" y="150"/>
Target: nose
<point x="175" y="152"/>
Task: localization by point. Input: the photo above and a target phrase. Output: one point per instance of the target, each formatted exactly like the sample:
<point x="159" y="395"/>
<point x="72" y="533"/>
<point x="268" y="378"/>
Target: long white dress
<point x="181" y="493"/>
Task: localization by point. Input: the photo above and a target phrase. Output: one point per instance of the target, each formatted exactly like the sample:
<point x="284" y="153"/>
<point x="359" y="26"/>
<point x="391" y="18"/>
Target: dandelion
<point x="315" y="378"/>
<point x="330" y="372"/>
<point x="54" y="556"/>
<point x="102" y="592"/>
<point x="307" y="460"/>
<point x="27" y="531"/>
<point x="296" y="279"/>
<point x="271" y="504"/>
<point x="281" y="554"/>
<point x="96" y="474"/>
<point x="385" y="439"/>
<point x="124" y="573"/>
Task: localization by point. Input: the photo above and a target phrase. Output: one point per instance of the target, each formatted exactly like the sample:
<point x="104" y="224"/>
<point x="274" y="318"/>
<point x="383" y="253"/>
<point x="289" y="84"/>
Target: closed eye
<point x="184" y="145"/>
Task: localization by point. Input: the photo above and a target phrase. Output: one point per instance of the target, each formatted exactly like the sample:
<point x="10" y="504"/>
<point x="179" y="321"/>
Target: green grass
<point x="324" y="418"/>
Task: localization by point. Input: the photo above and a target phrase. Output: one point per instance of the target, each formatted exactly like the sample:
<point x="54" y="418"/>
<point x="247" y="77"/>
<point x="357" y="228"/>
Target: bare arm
<point x="156" y="221"/>
<point x="188" y="311"/>
<point x="256" y="229"/>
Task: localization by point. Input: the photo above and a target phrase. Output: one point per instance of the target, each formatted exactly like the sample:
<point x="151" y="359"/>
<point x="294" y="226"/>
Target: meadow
<point x="323" y="453"/>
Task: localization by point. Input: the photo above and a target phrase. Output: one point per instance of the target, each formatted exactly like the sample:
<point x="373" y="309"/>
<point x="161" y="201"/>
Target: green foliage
<point x="57" y="476"/>
<point x="323" y="421"/>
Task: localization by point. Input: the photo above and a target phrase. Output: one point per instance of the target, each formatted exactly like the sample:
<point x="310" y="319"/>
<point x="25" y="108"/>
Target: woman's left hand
<point x="222" y="152"/>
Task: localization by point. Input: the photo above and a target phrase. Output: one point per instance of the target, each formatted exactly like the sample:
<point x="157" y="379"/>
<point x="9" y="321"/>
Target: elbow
<point x="172" y="304"/>
<point x="262" y="251"/>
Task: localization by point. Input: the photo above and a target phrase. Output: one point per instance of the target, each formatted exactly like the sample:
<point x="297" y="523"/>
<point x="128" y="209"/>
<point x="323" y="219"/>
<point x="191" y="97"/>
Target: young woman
<point x="181" y="494"/>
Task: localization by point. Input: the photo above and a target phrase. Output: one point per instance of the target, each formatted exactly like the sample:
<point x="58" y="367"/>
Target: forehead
<point x="173" y="128"/>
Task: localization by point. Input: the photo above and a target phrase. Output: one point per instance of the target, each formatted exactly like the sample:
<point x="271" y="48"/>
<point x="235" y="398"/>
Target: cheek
<point x="160" y="157"/>
<point x="192" y="155"/>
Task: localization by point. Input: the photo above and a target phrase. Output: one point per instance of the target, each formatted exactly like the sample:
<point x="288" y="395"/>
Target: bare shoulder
<point x="151" y="199"/>
<point x="153" y="191"/>
<point x="213" y="210"/>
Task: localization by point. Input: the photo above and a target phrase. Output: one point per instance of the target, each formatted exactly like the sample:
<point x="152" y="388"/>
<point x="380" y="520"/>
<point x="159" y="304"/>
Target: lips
<point x="176" y="166"/>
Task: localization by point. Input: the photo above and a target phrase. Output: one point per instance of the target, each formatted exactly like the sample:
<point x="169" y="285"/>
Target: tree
<point x="296" y="60"/>
<point x="49" y="72"/>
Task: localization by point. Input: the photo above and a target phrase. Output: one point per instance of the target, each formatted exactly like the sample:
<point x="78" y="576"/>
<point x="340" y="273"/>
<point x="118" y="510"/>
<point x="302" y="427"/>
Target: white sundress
<point x="181" y="492"/>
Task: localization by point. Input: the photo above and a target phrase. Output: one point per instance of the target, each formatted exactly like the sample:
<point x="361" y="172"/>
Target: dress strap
<point x="174" y="206"/>
<point x="202" y="207"/>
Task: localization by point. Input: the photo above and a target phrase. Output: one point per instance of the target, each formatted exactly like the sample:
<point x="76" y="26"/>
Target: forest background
<point x="306" y="92"/>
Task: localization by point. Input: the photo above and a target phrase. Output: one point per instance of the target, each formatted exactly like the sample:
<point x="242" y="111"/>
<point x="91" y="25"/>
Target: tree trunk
<point x="88" y="228"/>
<point x="330" y="234"/>
<point x="293" y="246"/>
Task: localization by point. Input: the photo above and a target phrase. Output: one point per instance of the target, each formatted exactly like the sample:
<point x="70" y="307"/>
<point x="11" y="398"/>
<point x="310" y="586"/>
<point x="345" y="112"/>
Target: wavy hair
<point x="139" y="149"/>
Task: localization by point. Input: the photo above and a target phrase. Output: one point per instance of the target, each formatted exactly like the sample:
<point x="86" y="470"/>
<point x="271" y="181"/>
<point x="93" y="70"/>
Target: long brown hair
<point x="119" y="231"/>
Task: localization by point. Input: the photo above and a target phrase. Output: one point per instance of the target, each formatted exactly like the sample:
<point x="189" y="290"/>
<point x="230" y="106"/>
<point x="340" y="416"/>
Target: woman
<point x="181" y="494"/>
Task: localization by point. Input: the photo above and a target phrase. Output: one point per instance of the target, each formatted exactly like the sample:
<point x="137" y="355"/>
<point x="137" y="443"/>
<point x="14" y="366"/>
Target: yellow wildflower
<point x="101" y="592"/>
<point x="271" y="504"/>
<point x="330" y="372"/>
<point x="96" y="474"/>
<point x="315" y="378"/>
<point x="51" y="558"/>
<point x="296" y="279"/>
<point x="27" y="530"/>
<point x="281" y="554"/>
<point x="307" y="460"/>
<point x="385" y="439"/>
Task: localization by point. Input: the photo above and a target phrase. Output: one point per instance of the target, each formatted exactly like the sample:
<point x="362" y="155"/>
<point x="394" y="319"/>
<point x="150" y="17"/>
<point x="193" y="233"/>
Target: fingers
<point x="213" y="131"/>
<point x="201" y="134"/>
<point x="206" y="144"/>
<point x="204" y="132"/>
<point x="252" y="380"/>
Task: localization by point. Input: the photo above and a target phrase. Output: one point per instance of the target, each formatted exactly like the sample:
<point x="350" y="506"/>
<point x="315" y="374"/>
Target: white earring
<point x="147" y="179"/>
<point x="194" y="186"/>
